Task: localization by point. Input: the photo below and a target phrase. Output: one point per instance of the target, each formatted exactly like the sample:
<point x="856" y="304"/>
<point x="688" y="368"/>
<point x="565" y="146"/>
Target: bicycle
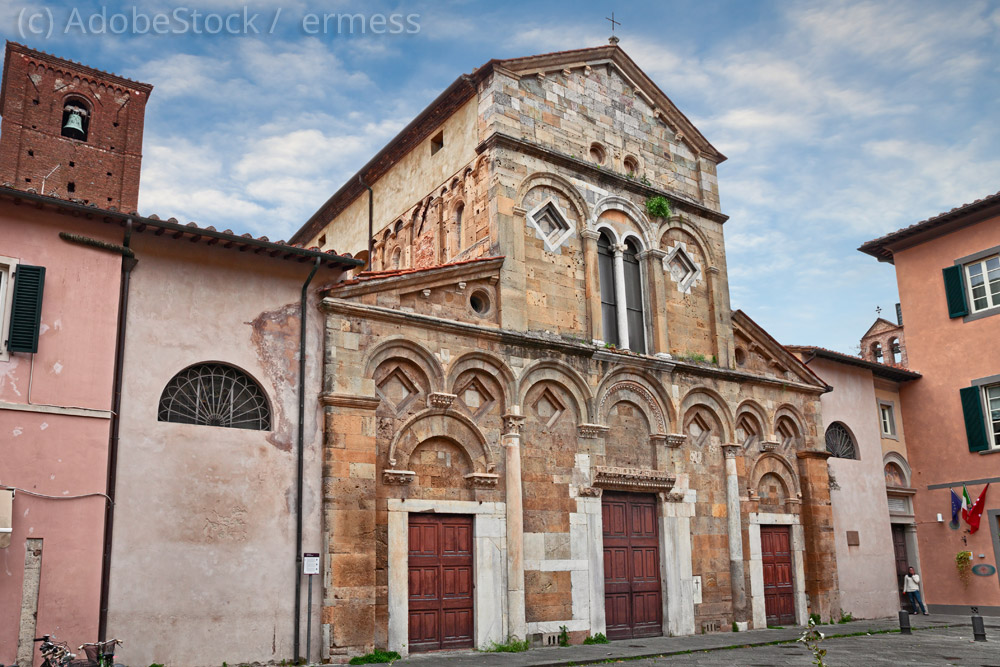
<point x="57" y="654"/>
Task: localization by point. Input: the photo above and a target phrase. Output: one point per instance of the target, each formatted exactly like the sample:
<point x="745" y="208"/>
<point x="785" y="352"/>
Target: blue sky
<point x="841" y="120"/>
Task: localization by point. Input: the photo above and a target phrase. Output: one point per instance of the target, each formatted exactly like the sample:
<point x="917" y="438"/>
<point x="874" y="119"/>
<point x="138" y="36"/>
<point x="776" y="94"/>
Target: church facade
<point x="540" y="410"/>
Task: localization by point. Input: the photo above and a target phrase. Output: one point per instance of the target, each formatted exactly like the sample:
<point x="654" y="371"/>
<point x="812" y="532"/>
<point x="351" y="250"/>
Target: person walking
<point x="911" y="586"/>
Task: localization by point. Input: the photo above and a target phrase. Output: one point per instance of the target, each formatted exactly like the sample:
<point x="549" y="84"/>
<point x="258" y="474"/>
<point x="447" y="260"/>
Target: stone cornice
<point x="598" y="174"/>
<point x="350" y="401"/>
<point x="633" y="478"/>
<point x="813" y="454"/>
<point x="431" y="277"/>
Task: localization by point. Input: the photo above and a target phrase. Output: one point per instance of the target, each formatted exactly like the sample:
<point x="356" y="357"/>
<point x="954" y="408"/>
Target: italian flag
<point x="975" y="511"/>
<point x="966" y="504"/>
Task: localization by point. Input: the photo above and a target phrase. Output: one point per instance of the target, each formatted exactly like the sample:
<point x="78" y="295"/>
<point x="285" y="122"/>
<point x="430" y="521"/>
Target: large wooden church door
<point x="779" y="598"/>
<point x="632" y="593"/>
<point x="440" y="569"/>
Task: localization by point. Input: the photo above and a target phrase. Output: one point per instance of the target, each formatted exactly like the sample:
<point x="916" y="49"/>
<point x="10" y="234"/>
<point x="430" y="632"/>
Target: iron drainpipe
<point x="301" y="455"/>
<point x="128" y="263"/>
<point x="371" y="232"/>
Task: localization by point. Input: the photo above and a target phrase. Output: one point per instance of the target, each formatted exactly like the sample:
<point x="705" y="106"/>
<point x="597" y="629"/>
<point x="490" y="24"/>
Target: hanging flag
<point x="956" y="507"/>
<point x="976" y="512"/>
<point x="966" y="503"/>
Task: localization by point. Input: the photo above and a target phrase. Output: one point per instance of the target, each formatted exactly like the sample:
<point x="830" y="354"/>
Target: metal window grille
<point x="215" y="395"/>
<point x="839" y="442"/>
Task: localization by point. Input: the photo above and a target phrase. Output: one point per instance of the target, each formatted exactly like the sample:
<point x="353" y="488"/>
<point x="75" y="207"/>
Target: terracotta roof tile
<point x="853" y="359"/>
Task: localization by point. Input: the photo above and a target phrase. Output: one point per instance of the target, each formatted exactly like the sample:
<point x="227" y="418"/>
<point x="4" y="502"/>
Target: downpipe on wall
<point x="301" y="459"/>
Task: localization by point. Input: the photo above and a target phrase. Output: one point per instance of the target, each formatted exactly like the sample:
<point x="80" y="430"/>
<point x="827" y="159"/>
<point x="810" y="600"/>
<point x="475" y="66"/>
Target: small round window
<point x="631" y="165"/>
<point x="597" y="153"/>
<point x="480" y="302"/>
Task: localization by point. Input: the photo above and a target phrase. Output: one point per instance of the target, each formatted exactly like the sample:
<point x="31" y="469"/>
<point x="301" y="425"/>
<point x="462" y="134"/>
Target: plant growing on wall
<point x="963" y="563"/>
<point x="658" y="207"/>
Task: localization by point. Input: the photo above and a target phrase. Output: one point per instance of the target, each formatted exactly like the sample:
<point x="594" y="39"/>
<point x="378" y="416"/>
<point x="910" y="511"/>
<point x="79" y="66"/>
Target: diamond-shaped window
<point x="682" y="267"/>
<point x="398" y="389"/>
<point x="476" y="397"/>
<point x="550" y="224"/>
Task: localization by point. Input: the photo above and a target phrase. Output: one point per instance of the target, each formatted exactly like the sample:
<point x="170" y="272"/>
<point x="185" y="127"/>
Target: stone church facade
<point x="540" y="410"/>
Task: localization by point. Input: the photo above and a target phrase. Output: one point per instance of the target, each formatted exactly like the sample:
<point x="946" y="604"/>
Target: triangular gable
<point x="407" y="281"/>
<point x="766" y="355"/>
<point x="881" y="325"/>
<point x="644" y="86"/>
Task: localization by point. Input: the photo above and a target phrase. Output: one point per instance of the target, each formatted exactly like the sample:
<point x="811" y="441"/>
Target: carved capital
<point x="732" y="451"/>
<point x="675" y="440"/>
<point x="657" y="439"/>
<point x="591" y="430"/>
<point x="589" y="492"/>
<point x="482" y="480"/>
<point x="655" y="253"/>
<point x="590" y="234"/>
<point x="440" y="400"/>
<point x="769" y="445"/>
<point x="512" y="424"/>
<point x="673" y="496"/>
<point x="398" y="477"/>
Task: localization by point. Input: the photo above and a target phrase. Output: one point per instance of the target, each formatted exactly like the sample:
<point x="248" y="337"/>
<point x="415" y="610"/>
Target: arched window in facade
<point x="609" y="302"/>
<point x="840" y="442"/>
<point x="633" y="298"/>
<point x="894" y="351"/>
<point x="215" y="395"/>
<point x="876" y="352"/>
<point x="459" y="212"/>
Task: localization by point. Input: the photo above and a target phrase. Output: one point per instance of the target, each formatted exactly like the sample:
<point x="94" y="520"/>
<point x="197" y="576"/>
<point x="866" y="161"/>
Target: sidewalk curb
<point x="749" y="644"/>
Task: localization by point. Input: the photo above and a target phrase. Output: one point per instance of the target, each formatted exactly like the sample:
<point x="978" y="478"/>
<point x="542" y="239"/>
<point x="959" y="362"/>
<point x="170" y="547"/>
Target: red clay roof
<point x="890" y="371"/>
<point x="194" y="232"/>
<point x="877" y="247"/>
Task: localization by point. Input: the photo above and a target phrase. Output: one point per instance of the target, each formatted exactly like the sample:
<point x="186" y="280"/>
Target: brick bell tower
<point x="69" y="130"/>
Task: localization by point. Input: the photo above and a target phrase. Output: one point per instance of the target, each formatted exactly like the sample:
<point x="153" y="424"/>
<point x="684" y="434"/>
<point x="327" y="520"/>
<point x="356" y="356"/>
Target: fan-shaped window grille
<point x="839" y="442"/>
<point x="215" y="395"/>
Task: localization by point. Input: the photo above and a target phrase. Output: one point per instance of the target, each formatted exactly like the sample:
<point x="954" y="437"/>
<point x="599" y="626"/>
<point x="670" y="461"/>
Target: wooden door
<point x="632" y="591"/>
<point x="440" y="569"/>
<point x="902" y="561"/>
<point x="779" y="598"/>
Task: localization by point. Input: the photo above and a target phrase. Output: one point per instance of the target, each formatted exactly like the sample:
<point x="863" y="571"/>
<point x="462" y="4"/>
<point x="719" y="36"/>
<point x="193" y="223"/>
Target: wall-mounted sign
<point x="984" y="570"/>
<point x="310" y="564"/>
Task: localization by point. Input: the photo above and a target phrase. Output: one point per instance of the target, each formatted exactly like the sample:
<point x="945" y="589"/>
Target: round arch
<point x="897" y="459"/>
<point x="487" y="363"/>
<point x="630" y="209"/>
<point x="405" y="349"/>
<point x="645" y="391"/>
<point x="712" y="401"/>
<point x="556" y="182"/>
<point x="436" y="423"/>
<point x="771" y="462"/>
<point x="683" y="224"/>
<point x="560" y="373"/>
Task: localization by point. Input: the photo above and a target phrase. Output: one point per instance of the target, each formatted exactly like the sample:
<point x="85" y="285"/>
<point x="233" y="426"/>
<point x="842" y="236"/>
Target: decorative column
<point x="592" y="282"/>
<point x="657" y="295"/>
<point x="735" y="527"/>
<point x="511" y="440"/>
<point x="622" y="311"/>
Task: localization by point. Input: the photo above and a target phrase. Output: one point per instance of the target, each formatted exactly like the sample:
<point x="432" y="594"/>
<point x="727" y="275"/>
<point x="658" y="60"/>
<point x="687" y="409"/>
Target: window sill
<point x="978" y="315"/>
<point x="995" y="450"/>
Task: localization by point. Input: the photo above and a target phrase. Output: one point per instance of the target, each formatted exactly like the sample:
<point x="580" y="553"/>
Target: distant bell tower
<point x="69" y="130"/>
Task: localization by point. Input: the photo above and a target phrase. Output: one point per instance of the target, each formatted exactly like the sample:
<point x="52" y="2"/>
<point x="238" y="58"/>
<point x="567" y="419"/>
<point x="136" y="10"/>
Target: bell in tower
<point x="74" y="121"/>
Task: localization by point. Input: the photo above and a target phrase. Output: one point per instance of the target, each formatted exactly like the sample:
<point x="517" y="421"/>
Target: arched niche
<point x="482" y="362"/>
<point x="770" y="465"/>
<point x="711" y="402"/>
<point x="556" y="371"/>
<point x="557" y="183"/>
<point x="632" y="387"/>
<point x="451" y="426"/>
<point x="406" y="349"/>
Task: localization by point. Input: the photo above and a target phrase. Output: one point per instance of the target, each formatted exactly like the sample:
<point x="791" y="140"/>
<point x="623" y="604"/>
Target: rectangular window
<point x="437" y="142"/>
<point x="7" y="267"/>
<point x="888" y="419"/>
<point x="983" y="280"/>
<point x="993" y="412"/>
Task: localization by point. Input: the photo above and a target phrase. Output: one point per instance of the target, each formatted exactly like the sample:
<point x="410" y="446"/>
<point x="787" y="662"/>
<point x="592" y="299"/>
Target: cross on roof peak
<point x="614" y="38"/>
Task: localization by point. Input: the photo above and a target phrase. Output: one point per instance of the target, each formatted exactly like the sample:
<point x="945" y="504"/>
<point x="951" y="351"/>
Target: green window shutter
<point x="975" y="422"/>
<point x="26" y="310"/>
<point x="954" y="289"/>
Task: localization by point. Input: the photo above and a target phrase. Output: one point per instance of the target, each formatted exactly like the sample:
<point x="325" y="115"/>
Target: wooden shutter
<point x="954" y="290"/>
<point x="975" y="422"/>
<point x="26" y="310"/>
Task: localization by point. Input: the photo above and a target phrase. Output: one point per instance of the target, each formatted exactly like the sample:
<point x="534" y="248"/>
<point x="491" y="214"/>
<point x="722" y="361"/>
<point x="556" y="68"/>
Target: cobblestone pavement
<point x="941" y="646"/>
<point x="936" y="640"/>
